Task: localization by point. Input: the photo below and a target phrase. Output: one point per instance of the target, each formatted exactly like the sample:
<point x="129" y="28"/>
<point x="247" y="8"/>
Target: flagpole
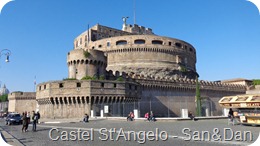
<point x="34" y="83"/>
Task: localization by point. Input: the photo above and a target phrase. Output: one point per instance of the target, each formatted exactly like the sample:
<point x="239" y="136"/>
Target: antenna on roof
<point x="134" y="12"/>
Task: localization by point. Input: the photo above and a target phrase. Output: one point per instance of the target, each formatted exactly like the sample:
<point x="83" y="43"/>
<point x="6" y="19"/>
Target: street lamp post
<point x="7" y="53"/>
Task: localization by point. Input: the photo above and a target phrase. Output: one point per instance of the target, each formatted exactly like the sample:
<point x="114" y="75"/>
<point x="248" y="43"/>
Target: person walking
<point x="231" y="116"/>
<point x="39" y="116"/>
<point x="24" y="119"/>
<point x="34" y="120"/>
<point x="28" y="116"/>
<point x="85" y="119"/>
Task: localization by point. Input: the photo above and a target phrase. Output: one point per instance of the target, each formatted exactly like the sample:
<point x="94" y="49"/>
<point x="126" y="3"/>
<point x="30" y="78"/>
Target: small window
<point x="191" y="49"/>
<point x="114" y="85"/>
<point x="170" y="43"/>
<point x="102" y="84"/>
<point x="93" y="38"/>
<point x="123" y="42"/>
<point x="40" y="87"/>
<point x="99" y="46"/>
<point x="158" y="42"/>
<point x="178" y="45"/>
<point x="76" y="71"/>
<point x="130" y="87"/>
<point x="139" y="41"/>
<point x="61" y="85"/>
<point x="78" y="85"/>
<point x="44" y="86"/>
<point x="108" y="44"/>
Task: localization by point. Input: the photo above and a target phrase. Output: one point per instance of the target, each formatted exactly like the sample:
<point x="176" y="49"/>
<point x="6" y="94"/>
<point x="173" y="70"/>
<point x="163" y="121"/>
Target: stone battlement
<point x="166" y="82"/>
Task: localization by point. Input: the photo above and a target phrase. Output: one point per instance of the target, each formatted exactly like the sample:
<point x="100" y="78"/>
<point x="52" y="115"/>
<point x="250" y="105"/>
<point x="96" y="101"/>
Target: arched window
<point x="139" y="41"/>
<point x="122" y="42"/>
<point x="158" y="42"/>
<point x="191" y="49"/>
<point x="178" y="45"/>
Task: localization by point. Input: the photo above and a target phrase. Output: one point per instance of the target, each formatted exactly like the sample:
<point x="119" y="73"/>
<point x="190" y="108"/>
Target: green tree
<point x="256" y="82"/>
<point x="198" y="98"/>
<point x="3" y="98"/>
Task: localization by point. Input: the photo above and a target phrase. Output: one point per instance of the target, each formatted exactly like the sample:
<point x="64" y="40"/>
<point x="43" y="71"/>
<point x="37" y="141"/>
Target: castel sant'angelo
<point x="126" y="69"/>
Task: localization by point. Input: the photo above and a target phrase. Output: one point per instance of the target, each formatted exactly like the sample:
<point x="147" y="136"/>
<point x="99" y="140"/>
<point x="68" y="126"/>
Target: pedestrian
<point x="24" y="119"/>
<point x="231" y="116"/>
<point x="152" y="118"/>
<point x="128" y="117"/>
<point x="34" y="120"/>
<point x="39" y="116"/>
<point x="132" y="116"/>
<point x="85" y="119"/>
<point x="191" y="116"/>
<point x="146" y="116"/>
<point x="28" y="117"/>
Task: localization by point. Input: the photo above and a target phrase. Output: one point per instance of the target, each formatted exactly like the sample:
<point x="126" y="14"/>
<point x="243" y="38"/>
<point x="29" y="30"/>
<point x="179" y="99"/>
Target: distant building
<point x="3" y="105"/>
<point x="22" y="101"/>
<point x="4" y="90"/>
<point x="238" y="81"/>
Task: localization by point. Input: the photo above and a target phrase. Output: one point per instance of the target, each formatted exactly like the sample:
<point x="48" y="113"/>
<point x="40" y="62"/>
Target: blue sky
<point x="225" y="33"/>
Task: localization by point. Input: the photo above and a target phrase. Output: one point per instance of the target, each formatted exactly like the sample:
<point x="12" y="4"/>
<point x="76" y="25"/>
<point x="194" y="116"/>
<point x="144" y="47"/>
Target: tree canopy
<point x="4" y="98"/>
<point x="256" y="82"/>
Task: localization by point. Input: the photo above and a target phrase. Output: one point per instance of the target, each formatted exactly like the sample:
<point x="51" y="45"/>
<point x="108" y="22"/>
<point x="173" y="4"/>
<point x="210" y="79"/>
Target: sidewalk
<point x="75" y="120"/>
<point x="9" y="138"/>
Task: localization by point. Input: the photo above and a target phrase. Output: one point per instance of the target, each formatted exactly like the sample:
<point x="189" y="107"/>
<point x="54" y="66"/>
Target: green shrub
<point x="94" y="77"/>
<point x="87" y="78"/>
<point x="120" y="79"/>
<point x="183" y="69"/>
<point x="69" y="79"/>
<point x="102" y="77"/>
<point x="86" y="54"/>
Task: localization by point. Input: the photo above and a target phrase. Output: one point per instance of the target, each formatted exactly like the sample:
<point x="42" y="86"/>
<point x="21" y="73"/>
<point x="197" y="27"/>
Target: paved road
<point x="113" y="132"/>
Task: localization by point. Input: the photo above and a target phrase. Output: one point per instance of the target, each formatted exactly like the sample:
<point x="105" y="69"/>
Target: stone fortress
<point x="128" y="69"/>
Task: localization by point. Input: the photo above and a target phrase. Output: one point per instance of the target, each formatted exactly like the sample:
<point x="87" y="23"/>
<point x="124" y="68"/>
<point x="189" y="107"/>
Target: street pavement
<point x="137" y="133"/>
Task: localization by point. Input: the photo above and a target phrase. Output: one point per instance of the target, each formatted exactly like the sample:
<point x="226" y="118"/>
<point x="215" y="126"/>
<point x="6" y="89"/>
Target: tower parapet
<point x="83" y="63"/>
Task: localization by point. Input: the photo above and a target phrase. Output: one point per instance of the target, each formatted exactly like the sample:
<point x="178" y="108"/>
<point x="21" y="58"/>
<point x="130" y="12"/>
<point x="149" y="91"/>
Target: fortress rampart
<point x="22" y="101"/>
<point x="61" y="99"/>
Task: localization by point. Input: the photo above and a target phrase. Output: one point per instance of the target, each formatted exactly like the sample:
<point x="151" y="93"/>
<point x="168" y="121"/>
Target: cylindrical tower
<point x="83" y="63"/>
<point x="149" y="55"/>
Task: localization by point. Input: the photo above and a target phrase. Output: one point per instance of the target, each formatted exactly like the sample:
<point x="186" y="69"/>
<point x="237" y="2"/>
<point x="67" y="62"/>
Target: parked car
<point x="13" y="118"/>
